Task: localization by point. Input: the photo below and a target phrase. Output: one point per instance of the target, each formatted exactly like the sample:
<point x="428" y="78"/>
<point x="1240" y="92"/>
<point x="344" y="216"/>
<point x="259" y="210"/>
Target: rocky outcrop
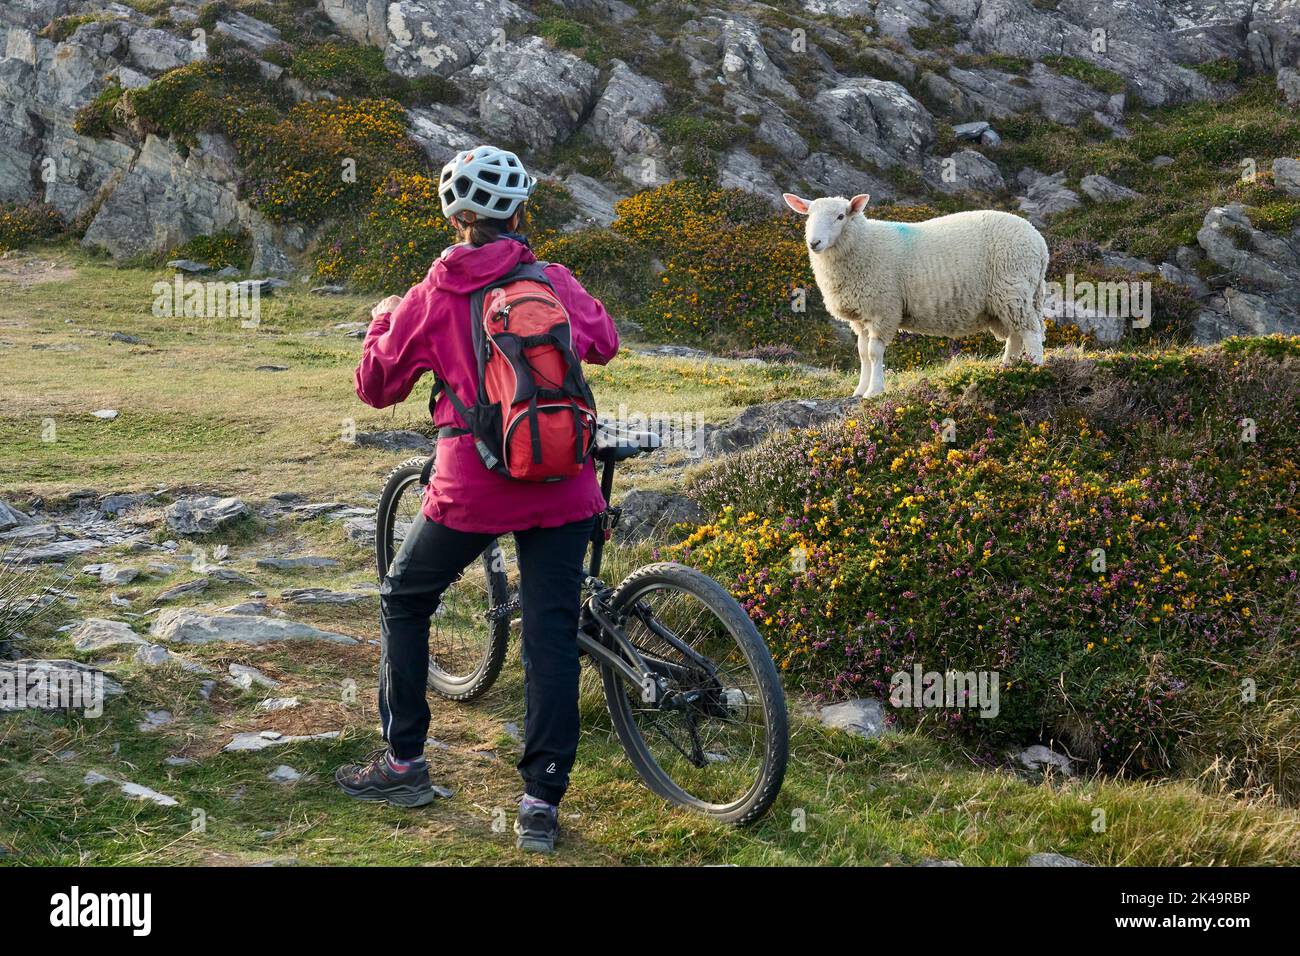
<point x="440" y="37"/>
<point x="530" y="93"/>
<point x="876" y="120"/>
<point x="1261" y="271"/>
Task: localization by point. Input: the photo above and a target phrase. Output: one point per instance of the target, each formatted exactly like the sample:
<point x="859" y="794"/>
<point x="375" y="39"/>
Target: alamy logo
<point x="74" y="909"/>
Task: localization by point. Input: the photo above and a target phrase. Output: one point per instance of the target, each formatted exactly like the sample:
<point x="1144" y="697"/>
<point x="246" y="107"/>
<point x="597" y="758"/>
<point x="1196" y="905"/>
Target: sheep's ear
<point x="794" y="202"/>
<point x="858" y="202"/>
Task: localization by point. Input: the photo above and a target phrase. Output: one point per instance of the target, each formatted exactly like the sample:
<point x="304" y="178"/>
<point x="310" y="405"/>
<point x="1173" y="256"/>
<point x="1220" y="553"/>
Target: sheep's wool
<point x="955" y="275"/>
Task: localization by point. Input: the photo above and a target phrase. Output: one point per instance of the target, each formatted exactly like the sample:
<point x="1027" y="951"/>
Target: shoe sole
<point x="532" y="844"/>
<point x="410" y="798"/>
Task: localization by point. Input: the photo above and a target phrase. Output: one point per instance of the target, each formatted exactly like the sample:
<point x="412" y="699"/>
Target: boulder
<point x="187" y="626"/>
<point x="1040" y="759"/>
<point x="363" y="20"/>
<point x="730" y="49"/>
<point x="647" y="513"/>
<point x="396" y="440"/>
<point x="964" y="171"/>
<point x="861" y="717"/>
<point x="758" y="421"/>
<point x="1100" y="189"/>
<point x="428" y="37"/>
<point x="1286" y="175"/>
<point x="531" y="93"/>
<point x="1045" y="196"/>
<point x="96" y="633"/>
<point x="877" y="120"/>
<point x="204" y="514"/>
<point x="11" y="517"/>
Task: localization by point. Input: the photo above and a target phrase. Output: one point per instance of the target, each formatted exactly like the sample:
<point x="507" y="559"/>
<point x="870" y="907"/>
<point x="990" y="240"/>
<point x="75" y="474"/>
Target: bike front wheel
<point x="467" y="643"/>
<point x="713" y="736"/>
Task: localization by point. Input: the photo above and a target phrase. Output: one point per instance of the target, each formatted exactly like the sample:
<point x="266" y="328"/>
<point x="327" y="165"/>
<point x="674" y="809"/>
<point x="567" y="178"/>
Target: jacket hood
<point x="464" y="268"/>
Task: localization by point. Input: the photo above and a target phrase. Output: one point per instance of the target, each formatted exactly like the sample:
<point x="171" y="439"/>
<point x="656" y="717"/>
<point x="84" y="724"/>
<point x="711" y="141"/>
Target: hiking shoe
<point x="377" y="780"/>
<point x="537" y="828"/>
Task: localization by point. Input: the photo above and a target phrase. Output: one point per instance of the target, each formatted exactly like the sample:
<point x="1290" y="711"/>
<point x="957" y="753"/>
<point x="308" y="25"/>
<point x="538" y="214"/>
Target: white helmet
<point x="488" y="181"/>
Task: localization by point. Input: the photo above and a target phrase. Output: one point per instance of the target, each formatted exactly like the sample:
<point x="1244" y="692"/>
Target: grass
<point x="195" y="414"/>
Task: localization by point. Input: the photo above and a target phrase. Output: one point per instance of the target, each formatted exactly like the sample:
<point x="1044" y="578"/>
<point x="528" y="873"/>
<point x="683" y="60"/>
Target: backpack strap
<point x="448" y="431"/>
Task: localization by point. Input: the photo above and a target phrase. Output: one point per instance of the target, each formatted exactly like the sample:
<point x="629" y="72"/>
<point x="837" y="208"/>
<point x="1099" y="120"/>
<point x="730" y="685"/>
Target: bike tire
<point x="477" y="680"/>
<point x="755" y="802"/>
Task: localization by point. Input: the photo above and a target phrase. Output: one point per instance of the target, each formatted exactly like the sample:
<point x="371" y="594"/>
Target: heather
<point x="1114" y="534"/>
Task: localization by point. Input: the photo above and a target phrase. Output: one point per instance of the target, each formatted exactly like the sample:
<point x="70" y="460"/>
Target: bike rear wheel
<point x="721" y="748"/>
<point x="467" y="644"/>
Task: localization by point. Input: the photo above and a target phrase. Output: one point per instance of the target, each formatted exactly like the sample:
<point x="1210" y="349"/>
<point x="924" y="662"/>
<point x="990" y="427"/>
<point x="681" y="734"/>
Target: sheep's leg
<point x="1034" y="346"/>
<point x="864" y="365"/>
<point x="876" y="353"/>
<point x="1011" y="351"/>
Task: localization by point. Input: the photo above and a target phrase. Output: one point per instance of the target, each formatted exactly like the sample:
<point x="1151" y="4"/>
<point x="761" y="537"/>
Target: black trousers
<point x="550" y="577"/>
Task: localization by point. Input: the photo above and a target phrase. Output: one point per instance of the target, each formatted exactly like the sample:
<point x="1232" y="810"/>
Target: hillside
<point x="1151" y="140"/>
<point x="204" y="407"/>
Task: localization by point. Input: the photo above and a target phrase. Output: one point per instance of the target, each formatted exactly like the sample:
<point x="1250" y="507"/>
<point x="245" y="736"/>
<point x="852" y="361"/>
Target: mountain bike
<point x="692" y="691"/>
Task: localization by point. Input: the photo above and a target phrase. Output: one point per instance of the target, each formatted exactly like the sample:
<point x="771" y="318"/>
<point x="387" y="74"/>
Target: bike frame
<point x="602" y="637"/>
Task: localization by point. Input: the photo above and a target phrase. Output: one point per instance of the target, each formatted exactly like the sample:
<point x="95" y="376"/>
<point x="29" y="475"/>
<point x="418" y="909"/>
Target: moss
<point x="219" y="251"/>
<point x="61" y="28"/>
<point x="935" y="36"/>
<point x="1095" y="76"/>
<point x="1223" y="70"/>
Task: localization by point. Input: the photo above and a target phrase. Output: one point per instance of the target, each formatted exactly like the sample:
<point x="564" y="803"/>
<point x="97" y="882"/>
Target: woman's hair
<point x="482" y="230"/>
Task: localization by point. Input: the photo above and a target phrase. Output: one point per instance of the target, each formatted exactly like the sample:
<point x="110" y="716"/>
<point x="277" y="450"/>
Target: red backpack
<point x="534" y="417"/>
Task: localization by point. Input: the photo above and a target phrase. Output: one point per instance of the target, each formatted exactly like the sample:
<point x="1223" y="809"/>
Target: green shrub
<point x="1095" y="76"/>
<point x="219" y="251"/>
<point x="935" y="36"/>
<point x="566" y="34"/>
<point x="1223" y="70"/>
<point x="96" y="119"/>
<point x="980" y="553"/>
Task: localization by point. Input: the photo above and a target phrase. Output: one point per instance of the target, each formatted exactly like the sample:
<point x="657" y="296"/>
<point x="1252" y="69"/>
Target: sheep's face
<point x="826" y="218"/>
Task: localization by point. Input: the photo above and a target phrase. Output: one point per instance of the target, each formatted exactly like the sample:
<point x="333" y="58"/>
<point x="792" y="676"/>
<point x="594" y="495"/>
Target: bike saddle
<point x="615" y="442"/>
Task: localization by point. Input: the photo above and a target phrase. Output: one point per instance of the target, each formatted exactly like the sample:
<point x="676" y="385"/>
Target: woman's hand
<point x="389" y="304"/>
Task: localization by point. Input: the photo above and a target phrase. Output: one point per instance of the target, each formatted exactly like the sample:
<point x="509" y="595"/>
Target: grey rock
<point x="284" y="774"/>
<point x="135" y="791"/>
<point x="362" y="20"/>
<point x="1288" y="84"/>
<point x="741" y="169"/>
<point x="730" y="50"/>
<point x="532" y="94"/>
<point x="270" y="738"/>
<point x="1040" y="759"/>
<point x="175" y="761"/>
<point x="155" y="720"/>
<point x="247" y="30"/>
<point x="55" y="551"/>
<point x="96" y="633"/>
<point x="396" y="440"/>
<point x="861" y="717"/>
<point x="594" y="200"/>
<point x="443" y="37"/>
<point x="971" y="131"/>
<point x="245" y="677"/>
<point x="277" y="703"/>
<point x="876" y="120"/>
<point x="193" y="627"/>
<point x="153" y="655"/>
<point x="963" y="171"/>
<point x="1045" y="196"/>
<point x="124" y="338"/>
<point x="120" y="504"/>
<point x="204" y="514"/>
<point x="646" y="514"/>
<point x="188" y="265"/>
<point x="58" y="677"/>
<point x="11" y="517"/>
<point x="323" y="596"/>
<point x="183" y="590"/>
<point x="758" y="421"/>
<point x="1052" y="859"/>
<point x="1286" y="175"/>
<point x="1100" y="189"/>
<point x="107" y="414"/>
<point x="294" y="564"/>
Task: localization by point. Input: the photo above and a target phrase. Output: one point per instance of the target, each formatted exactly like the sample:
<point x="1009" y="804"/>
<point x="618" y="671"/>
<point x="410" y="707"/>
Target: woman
<point x="466" y="506"/>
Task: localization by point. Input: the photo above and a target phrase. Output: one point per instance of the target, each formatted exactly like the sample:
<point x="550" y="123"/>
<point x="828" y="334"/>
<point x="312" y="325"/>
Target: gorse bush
<point x="25" y="223"/>
<point x="1116" y="537"/>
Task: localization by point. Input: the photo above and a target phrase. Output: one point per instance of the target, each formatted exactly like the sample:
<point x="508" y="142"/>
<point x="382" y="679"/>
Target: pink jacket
<point x="430" y="332"/>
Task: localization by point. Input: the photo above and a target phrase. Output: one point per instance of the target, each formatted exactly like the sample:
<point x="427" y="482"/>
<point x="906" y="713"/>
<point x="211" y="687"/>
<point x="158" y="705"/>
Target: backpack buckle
<point x="609" y="520"/>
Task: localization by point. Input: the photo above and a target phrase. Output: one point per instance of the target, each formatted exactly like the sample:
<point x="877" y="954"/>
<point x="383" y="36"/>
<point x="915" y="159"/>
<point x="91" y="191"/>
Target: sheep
<point x="955" y="275"/>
